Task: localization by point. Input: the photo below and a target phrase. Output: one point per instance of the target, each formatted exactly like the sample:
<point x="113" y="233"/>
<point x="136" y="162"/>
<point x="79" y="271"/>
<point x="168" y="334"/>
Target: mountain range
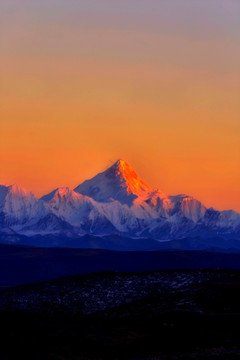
<point x="114" y="202"/>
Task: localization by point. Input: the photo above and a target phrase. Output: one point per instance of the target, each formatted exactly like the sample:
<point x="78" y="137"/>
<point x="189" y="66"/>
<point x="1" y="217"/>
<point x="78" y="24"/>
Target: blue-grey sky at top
<point x="222" y="13"/>
<point x="53" y="25"/>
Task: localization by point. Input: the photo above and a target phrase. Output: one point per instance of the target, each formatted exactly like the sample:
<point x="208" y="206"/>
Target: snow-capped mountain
<point x="119" y="182"/>
<point x="68" y="205"/>
<point x="80" y="211"/>
<point x="18" y="206"/>
<point x="139" y="207"/>
<point x="115" y="201"/>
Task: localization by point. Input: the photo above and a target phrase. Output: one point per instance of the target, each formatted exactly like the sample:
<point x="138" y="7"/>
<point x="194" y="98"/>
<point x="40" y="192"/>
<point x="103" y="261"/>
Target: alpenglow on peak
<point x="119" y="182"/>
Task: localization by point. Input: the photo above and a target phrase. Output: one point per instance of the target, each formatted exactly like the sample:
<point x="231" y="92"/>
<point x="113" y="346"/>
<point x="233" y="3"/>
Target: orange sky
<point x="155" y="83"/>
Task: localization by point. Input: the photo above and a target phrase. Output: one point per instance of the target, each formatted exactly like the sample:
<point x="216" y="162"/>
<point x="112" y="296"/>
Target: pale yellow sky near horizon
<point x="157" y="83"/>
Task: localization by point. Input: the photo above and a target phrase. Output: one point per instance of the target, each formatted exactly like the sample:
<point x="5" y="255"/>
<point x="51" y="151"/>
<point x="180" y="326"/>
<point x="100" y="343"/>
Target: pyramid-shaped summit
<point x="119" y="182"/>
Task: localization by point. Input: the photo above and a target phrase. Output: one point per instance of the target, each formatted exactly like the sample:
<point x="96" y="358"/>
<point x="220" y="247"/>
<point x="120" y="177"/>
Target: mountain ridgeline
<point x="114" y="202"/>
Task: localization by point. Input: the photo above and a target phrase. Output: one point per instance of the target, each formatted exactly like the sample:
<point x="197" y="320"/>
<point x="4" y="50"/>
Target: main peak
<point x="122" y="167"/>
<point x="119" y="182"/>
<point x="121" y="164"/>
<point x="129" y="178"/>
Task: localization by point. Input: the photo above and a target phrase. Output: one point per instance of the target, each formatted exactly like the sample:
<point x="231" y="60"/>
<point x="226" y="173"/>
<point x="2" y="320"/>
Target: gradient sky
<point x="155" y="82"/>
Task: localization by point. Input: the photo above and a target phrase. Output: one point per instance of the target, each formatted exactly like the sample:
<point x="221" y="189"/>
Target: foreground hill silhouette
<point x="24" y="264"/>
<point x="166" y="315"/>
